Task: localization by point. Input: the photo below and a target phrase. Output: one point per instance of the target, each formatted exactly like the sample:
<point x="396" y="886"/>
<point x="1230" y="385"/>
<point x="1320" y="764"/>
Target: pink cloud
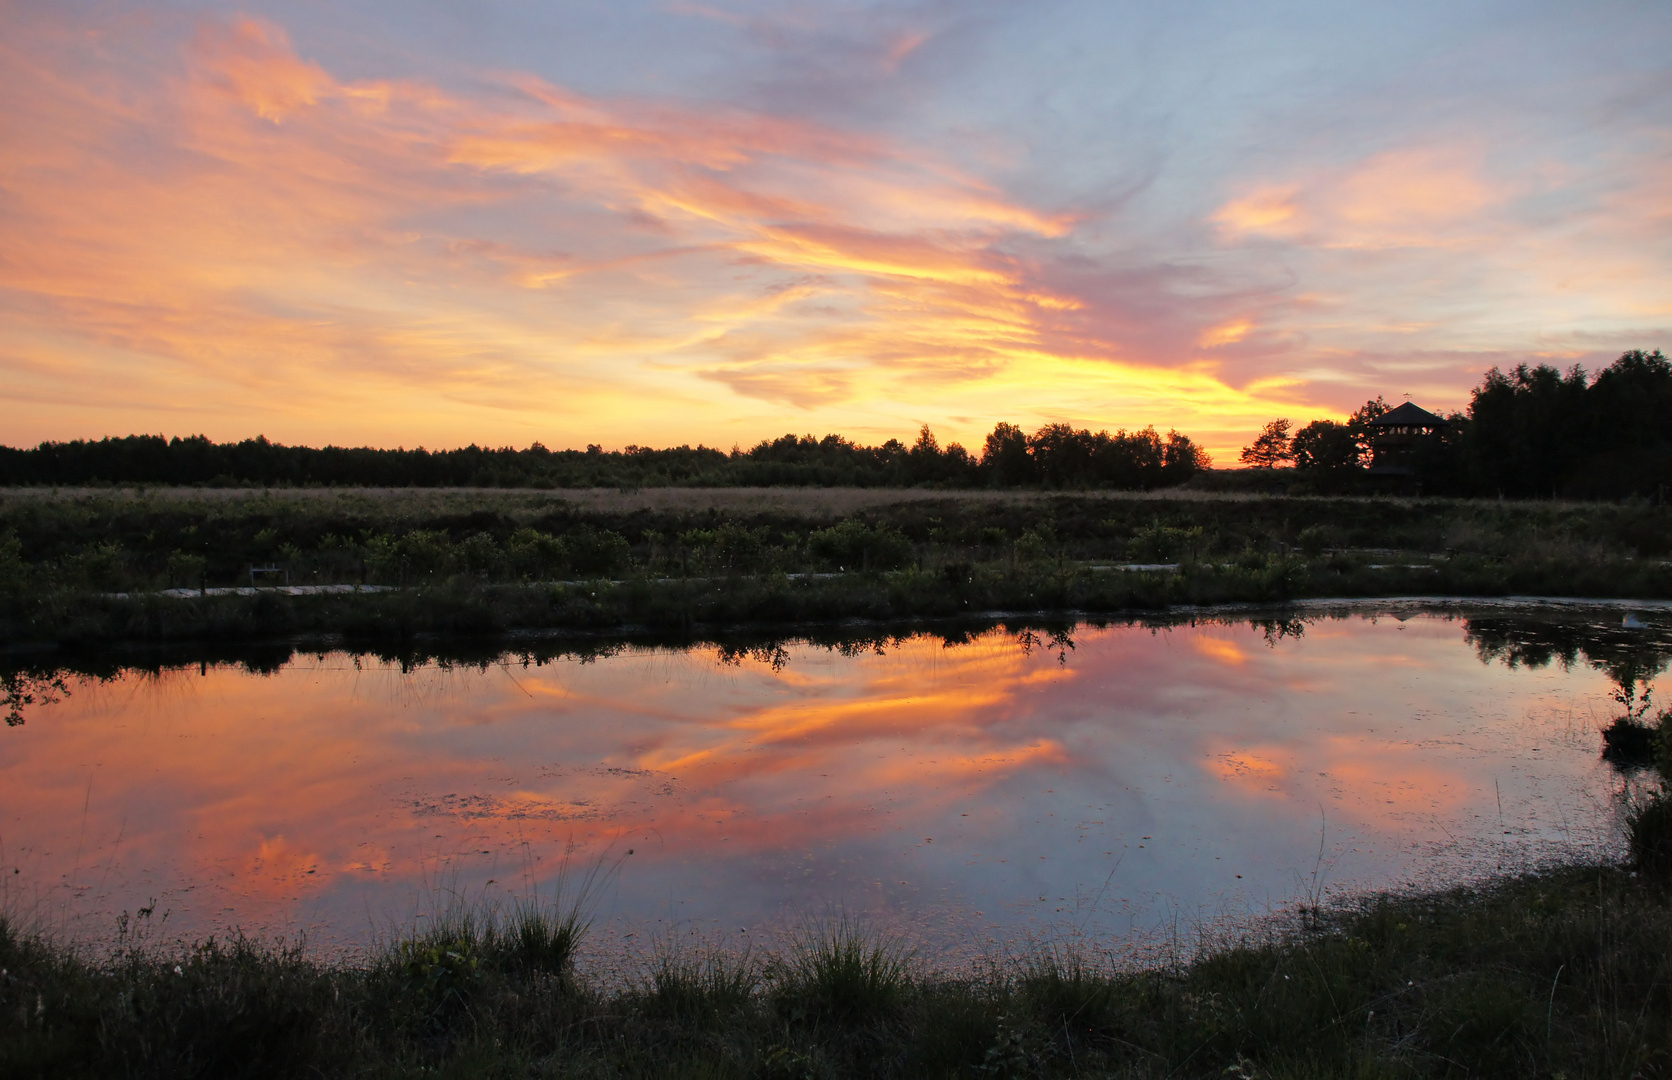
<point x="206" y="224"/>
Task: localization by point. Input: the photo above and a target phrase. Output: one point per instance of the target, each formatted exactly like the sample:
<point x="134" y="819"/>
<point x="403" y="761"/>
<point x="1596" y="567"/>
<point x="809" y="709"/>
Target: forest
<point x="1531" y="432"/>
<point x="1056" y="456"/>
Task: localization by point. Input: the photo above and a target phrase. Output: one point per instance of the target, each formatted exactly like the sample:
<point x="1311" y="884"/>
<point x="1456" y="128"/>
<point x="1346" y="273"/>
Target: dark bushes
<point x="1628" y="743"/>
<point x="853" y="545"/>
<point x="454" y="555"/>
<point x="428" y="556"/>
<point x="1649" y="829"/>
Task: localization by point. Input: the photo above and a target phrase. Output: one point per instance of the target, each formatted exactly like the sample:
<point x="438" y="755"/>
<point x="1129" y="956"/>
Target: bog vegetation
<point x="157" y="566"/>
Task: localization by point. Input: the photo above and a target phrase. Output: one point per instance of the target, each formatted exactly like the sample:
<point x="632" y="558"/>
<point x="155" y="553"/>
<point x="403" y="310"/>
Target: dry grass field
<point x="794" y="501"/>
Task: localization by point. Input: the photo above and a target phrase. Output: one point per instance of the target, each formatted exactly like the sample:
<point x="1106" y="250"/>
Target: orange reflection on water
<point x="1221" y="650"/>
<point x="1385" y="779"/>
<point x="976" y="788"/>
<point x="1249" y="770"/>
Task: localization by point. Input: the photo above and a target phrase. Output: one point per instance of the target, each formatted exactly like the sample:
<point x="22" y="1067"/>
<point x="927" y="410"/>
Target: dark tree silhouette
<point x="1270" y="448"/>
<point x="1326" y="446"/>
<point x="1057" y="455"/>
<point x="1006" y="457"/>
<point x="1537" y="431"/>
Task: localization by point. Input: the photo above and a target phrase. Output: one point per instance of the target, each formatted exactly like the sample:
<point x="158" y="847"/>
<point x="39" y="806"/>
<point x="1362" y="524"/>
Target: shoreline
<point x="1552" y="971"/>
<point x="812" y="629"/>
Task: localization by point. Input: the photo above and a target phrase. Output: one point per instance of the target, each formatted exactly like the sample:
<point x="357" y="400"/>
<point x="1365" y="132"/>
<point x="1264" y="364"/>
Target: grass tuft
<point x="708" y="986"/>
<point x="1062" y="988"/>
<point x="541" y="938"/>
<point x="842" y="968"/>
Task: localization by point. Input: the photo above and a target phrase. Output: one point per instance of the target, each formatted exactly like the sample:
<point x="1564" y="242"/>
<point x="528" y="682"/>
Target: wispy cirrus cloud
<point x="259" y="226"/>
<point x="209" y="226"/>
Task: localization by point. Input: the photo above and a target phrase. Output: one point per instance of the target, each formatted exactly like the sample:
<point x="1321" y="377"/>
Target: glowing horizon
<point x="677" y="223"/>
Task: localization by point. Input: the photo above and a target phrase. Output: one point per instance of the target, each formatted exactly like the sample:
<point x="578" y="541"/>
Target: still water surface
<point x="1117" y="782"/>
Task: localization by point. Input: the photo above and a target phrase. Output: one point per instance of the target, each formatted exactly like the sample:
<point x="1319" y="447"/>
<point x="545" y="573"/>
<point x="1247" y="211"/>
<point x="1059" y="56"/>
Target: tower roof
<point x="1407" y="415"/>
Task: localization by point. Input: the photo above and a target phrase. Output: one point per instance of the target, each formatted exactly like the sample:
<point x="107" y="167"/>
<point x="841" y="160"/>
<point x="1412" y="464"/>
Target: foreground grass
<point x="1565" y="973"/>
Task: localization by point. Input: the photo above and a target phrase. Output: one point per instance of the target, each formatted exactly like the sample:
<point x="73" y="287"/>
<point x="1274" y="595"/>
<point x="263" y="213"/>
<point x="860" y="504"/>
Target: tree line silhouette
<point x="1056" y="456"/>
<point x="1531" y="432"/>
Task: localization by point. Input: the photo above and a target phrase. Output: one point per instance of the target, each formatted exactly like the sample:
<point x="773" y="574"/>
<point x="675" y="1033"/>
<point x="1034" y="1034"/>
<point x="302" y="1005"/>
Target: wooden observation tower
<point x="1397" y="435"/>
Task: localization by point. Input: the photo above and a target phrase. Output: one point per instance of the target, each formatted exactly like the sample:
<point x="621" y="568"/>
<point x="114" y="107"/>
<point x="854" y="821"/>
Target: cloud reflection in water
<point x="969" y="793"/>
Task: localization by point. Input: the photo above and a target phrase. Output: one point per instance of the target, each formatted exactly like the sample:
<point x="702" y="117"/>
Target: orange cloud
<point x="1255" y="772"/>
<point x="1405" y="198"/>
<point x="524" y="262"/>
<point x="254" y="60"/>
<point x="1265" y="210"/>
<point x="1226" y="333"/>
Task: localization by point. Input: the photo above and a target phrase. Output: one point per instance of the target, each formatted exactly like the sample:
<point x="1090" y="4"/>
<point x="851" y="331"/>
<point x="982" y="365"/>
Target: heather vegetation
<point x="113" y="566"/>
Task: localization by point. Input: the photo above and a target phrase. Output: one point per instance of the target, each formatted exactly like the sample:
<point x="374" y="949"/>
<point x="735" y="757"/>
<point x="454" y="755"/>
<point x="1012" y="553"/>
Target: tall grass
<point x="706" y="985"/>
<point x="1560" y="973"/>
<point x="841" y="968"/>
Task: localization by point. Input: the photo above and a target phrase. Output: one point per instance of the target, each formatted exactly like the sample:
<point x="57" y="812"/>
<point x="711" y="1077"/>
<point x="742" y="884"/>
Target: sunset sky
<point x="437" y="222"/>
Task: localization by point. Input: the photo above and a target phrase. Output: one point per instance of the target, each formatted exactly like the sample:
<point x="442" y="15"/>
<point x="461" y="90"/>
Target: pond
<point x="974" y="792"/>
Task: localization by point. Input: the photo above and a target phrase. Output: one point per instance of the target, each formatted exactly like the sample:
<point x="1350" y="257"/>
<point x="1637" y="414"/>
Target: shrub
<point x="418" y="556"/>
<point x="441" y="971"/>
<point x="853" y="545"/>
<point x="1629" y="744"/>
<point x="1036" y="543"/>
<point x="731" y="548"/>
<point x="1649" y="832"/>
<point x="1156" y="542"/>
<point x="598" y="551"/>
<point x="186" y="570"/>
<point x="12" y="567"/>
<point x="97" y="565"/>
<point x="535" y="554"/>
<point x="1315" y="538"/>
<point x="480" y="555"/>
